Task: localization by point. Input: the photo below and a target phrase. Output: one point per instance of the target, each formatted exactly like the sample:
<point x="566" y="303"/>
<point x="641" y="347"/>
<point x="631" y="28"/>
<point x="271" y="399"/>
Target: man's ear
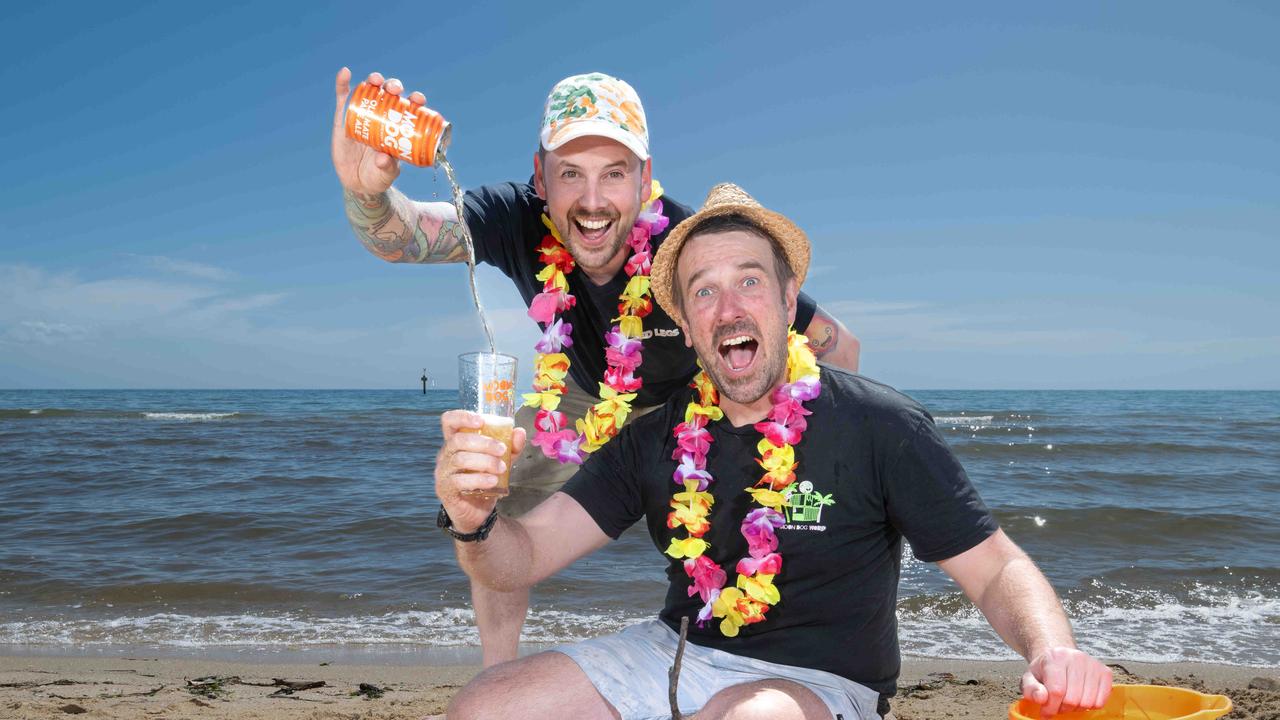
<point x="683" y="324"/>
<point x="646" y="180"/>
<point x="789" y="295"/>
<point x="539" y="186"/>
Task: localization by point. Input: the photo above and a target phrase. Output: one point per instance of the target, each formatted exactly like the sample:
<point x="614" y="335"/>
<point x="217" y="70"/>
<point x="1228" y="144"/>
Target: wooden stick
<point x="673" y="675"/>
<point x="289" y="687"/>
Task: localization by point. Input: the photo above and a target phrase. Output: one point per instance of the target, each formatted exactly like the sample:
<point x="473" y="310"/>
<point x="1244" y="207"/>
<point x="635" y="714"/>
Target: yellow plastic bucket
<point x="1139" y="702"/>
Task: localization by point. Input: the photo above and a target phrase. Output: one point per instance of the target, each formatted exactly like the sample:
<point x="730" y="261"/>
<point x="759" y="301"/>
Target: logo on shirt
<point x="660" y="332"/>
<point x="803" y="510"/>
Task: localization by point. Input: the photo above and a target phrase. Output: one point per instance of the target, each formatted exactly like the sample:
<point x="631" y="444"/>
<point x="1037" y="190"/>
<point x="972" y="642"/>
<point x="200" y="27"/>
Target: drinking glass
<point x="487" y="385"/>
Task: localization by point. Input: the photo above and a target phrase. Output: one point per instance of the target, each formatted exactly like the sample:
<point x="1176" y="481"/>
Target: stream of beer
<point x="443" y="162"/>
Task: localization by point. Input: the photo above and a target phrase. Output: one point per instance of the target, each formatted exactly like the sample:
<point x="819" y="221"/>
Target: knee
<point x="475" y="700"/>
<point x="765" y="700"/>
<point x="763" y="705"/>
<point x="465" y="705"/>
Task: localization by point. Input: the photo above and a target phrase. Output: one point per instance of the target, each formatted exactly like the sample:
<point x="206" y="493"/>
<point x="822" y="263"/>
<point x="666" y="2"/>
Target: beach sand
<point x="36" y="687"/>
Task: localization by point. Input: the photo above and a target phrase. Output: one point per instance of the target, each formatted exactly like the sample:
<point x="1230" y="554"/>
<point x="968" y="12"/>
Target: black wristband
<point x="444" y="522"/>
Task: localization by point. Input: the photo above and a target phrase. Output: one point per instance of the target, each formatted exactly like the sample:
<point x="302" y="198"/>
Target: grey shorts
<point x="630" y="670"/>
<point x="534" y="476"/>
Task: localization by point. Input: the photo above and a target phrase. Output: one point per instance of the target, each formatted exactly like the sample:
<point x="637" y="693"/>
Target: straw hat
<point x="726" y="199"/>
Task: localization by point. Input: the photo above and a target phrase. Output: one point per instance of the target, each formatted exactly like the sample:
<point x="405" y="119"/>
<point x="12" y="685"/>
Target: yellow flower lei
<point x="754" y="592"/>
<point x="605" y="418"/>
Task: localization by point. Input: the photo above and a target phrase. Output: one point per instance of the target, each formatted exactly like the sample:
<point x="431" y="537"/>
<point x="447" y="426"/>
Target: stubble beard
<point x="591" y="260"/>
<point x="596" y="259"/>
<point x="749" y="389"/>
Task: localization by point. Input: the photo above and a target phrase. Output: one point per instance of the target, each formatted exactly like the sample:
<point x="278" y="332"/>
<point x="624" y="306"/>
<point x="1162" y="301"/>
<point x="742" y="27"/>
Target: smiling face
<point x="594" y="188"/>
<point x="737" y="310"/>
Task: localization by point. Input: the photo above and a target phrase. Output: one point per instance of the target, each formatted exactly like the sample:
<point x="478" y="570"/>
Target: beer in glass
<point x="487" y="386"/>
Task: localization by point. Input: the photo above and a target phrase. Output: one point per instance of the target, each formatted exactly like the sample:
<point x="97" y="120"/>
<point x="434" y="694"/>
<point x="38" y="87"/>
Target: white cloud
<point x="37" y="305"/>
<point x="59" y="327"/>
<point x="223" y="306"/>
<point x="32" y="293"/>
<point x="37" y="331"/>
<point x="922" y="326"/>
<point x="174" y="266"/>
<point x="849" y="308"/>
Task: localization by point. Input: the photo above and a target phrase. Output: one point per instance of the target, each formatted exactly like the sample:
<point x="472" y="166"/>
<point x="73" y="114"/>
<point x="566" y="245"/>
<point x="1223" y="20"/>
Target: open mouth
<point x="594" y="230"/>
<point x="739" y="352"/>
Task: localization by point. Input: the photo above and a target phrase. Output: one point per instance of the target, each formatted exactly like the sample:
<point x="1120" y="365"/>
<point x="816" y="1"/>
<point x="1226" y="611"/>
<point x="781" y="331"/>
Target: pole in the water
<point x="424" y="381"/>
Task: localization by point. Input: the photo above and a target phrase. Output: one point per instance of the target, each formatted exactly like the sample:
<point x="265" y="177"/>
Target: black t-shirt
<point x="505" y="222"/>
<point x="872" y="470"/>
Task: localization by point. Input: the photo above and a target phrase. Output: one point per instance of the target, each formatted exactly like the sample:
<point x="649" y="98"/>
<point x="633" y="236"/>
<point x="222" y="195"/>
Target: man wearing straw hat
<point x="789" y="576"/>
<point x="592" y="217"/>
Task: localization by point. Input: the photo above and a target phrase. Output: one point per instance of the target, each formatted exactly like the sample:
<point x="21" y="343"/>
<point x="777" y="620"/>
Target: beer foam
<point x="497" y="420"/>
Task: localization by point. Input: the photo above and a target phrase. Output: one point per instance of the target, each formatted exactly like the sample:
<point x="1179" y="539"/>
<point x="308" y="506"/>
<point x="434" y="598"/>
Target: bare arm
<point x="1023" y="608"/>
<point x="398" y="229"/>
<point x="518" y="553"/>
<point x="390" y="225"/>
<point x="1012" y="593"/>
<point x="832" y="342"/>
<point x="523" y="552"/>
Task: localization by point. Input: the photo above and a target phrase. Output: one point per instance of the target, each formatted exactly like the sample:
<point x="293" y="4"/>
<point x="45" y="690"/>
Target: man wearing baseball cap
<point x="780" y="493"/>
<point x="577" y="242"/>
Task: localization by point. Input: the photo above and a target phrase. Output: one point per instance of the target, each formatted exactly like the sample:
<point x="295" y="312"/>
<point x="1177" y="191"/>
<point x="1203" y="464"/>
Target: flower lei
<point x="623" y="346"/>
<point x="754" y="592"/>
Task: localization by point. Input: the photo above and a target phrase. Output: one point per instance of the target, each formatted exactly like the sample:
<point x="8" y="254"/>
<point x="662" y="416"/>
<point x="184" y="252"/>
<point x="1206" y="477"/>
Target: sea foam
<point x="188" y="417"/>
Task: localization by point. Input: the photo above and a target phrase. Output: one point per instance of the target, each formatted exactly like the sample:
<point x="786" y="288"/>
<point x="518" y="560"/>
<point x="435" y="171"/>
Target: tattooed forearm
<point x="397" y="229"/>
<point x="370" y="216"/>
<point x="448" y="246"/>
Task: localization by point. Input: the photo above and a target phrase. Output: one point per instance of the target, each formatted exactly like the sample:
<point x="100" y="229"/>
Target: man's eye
<point x="751" y="281"/>
<point x="703" y="292"/>
<point x="569" y="174"/>
<point x="616" y="175"/>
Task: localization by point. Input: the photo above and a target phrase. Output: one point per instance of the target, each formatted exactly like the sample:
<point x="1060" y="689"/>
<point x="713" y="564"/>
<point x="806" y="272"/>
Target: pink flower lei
<point x="623" y="344"/>
<point x="754" y="592"/>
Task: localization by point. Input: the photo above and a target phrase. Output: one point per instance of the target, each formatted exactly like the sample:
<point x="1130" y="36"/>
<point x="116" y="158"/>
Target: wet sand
<point x="40" y="687"/>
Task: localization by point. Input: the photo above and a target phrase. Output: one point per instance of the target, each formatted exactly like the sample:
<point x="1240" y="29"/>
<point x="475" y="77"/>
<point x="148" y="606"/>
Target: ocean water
<point x="211" y="520"/>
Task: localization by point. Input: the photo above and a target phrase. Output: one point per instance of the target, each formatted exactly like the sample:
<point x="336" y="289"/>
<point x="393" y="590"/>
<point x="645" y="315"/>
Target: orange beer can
<point x="395" y="126"/>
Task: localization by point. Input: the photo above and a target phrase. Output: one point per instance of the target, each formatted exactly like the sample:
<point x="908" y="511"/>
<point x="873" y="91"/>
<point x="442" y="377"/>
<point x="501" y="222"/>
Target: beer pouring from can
<point x="416" y="134"/>
<point x="395" y="125"/>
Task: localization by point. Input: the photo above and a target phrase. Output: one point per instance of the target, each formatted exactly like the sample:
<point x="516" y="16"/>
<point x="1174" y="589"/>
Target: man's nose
<point x="730" y="307"/>
<point x="593" y="197"/>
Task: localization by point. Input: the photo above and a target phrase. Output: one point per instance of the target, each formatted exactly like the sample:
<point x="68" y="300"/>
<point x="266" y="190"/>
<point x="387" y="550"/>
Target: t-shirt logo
<point x="660" y="332"/>
<point x="803" y="510"/>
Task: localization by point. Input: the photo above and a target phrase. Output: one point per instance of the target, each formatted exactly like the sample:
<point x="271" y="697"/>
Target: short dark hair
<point x="729" y="223"/>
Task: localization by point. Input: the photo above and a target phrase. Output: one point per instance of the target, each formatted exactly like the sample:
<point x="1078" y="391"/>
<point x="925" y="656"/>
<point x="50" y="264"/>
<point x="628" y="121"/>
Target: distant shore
<point x="141" y="685"/>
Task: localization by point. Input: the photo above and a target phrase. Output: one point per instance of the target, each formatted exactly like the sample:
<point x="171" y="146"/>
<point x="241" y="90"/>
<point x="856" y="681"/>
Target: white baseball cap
<point x="595" y="104"/>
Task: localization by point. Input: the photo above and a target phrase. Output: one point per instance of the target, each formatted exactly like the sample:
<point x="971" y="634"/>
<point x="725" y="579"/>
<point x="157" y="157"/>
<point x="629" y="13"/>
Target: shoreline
<point x="141" y="682"/>
<point x="421" y="655"/>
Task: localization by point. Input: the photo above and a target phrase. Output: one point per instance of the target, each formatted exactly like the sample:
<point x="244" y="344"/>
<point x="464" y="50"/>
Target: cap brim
<point x="598" y="128"/>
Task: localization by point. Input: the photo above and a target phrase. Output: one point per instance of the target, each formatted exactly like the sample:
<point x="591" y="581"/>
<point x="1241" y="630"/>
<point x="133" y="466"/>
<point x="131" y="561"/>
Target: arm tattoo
<point x="823" y="334"/>
<point x="397" y="229"/>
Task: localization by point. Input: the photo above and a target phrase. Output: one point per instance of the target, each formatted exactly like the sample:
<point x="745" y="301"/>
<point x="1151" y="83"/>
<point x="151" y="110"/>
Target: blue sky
<point x="1009" y="195"/>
